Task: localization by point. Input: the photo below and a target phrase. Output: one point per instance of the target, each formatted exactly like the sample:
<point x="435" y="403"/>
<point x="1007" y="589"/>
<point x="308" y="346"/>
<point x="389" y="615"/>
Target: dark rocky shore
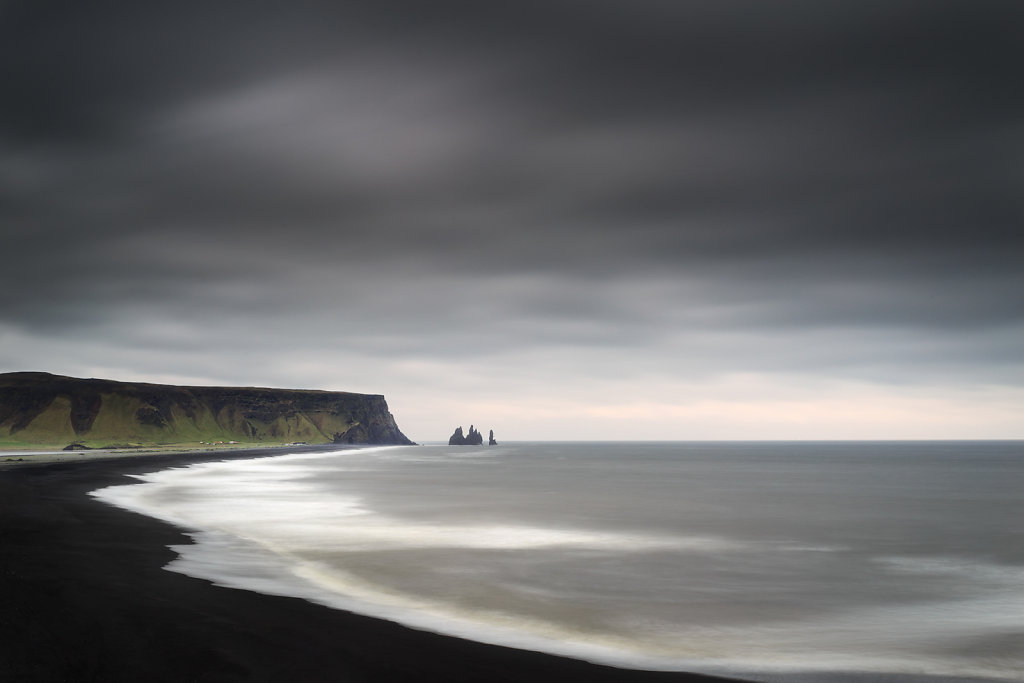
<point x="83" y="597"/>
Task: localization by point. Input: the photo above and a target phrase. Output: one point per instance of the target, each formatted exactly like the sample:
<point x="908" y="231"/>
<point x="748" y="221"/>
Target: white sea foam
<point x="227" y="561"/>
<point x="960" y="568"/>
<point x="323" y="527"/>
<point x="274" y="502"/>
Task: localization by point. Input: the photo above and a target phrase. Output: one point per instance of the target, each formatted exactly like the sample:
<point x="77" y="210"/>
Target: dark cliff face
<point x="38" y="408"/>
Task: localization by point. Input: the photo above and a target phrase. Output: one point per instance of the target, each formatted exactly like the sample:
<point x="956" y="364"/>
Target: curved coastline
<point x="85" y="597"/>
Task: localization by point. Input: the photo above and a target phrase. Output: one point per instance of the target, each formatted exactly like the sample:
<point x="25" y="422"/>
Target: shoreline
<point x="84" y="596"/>
<point x="27" y="458"/>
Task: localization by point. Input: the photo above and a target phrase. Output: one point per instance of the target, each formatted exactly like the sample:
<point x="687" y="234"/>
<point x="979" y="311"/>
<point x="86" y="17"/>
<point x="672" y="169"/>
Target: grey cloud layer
<point x="451" y="179"/>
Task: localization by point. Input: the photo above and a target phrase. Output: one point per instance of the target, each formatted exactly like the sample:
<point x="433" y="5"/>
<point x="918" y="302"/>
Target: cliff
<point x="38" y="409"/>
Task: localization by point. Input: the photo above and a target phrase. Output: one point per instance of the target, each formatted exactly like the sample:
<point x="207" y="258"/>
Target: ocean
<point x="774" y="561"/>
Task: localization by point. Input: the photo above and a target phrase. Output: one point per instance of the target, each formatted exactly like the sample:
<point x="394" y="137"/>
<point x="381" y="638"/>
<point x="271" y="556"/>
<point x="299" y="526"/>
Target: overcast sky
<point x="605" y="219"/>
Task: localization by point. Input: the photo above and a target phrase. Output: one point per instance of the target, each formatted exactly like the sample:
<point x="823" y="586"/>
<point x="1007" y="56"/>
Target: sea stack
<point x="490" y="439"/>
<point x="474" y="438"/>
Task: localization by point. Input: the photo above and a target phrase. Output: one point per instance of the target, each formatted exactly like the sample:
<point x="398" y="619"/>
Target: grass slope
<point x="38" y="410"/>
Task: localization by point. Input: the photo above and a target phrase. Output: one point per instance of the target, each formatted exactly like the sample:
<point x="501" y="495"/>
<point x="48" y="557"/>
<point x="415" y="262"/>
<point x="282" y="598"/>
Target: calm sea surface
<point x="847" y="561"/>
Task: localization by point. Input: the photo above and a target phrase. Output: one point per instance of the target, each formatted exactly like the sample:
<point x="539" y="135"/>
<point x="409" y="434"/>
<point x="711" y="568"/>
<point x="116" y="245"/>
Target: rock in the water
<point x="474" y="438"/>
<point x="490" y="439"/>
<point x="458" y="438"/>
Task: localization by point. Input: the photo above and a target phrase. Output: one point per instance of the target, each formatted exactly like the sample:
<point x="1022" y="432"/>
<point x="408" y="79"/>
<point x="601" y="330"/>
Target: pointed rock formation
<point x="490" y="439"/>
<point x="474" y="438"/>
<point x="458" y="438"/>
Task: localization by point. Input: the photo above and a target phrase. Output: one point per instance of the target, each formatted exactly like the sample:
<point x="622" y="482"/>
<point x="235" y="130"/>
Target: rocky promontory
<point x="38" y="409"/>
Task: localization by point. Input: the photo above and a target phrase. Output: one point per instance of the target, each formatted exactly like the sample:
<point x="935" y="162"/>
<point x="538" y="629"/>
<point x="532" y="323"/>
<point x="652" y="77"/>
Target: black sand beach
<point x="83" y="597"/>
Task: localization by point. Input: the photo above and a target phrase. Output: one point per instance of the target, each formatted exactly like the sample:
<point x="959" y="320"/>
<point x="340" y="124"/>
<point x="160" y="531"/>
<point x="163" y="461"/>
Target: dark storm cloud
<point x="460" y="177"/>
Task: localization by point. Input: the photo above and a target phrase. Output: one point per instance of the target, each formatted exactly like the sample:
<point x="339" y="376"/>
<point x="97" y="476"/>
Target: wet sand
<point x="83" y="597"/>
